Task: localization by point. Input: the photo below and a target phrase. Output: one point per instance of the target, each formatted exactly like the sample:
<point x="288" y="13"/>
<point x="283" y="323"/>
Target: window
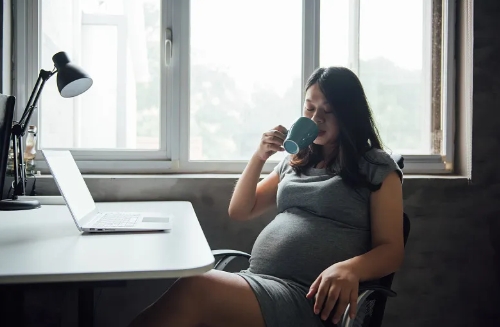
<point x="190" y="86"/>
<point x="117" y="43"/>
<point x="394" y="64"/>
<point x="245" y="79"/>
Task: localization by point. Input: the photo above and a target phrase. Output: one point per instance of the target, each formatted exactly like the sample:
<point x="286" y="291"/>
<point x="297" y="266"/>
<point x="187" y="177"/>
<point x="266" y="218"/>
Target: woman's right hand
<point x="271" y="142"/>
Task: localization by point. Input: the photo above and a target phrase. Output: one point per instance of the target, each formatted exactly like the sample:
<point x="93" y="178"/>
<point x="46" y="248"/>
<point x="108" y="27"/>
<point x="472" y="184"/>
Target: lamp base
<point x="12" y="205"/>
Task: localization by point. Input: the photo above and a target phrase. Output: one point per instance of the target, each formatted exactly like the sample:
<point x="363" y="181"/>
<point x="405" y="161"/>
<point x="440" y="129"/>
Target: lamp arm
<point x="18" y="130"/>
<point x="35" y="94"/>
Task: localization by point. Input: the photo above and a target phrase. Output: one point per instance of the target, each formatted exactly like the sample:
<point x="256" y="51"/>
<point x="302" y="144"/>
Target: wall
<point x="450" y="276"/>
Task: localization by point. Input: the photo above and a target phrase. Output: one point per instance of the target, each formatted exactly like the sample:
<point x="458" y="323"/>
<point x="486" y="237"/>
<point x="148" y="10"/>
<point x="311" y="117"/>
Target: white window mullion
<point x="181" y="91"/>
<point x="354" y="13"/>
<point x="310" y="38"/>
<point x="168" y="116"/>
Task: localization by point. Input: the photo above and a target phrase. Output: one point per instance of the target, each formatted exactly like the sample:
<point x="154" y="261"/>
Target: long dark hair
<point x="357" y="131"/>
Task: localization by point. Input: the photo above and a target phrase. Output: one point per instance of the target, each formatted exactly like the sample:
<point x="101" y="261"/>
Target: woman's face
<point x="317" y="108"/>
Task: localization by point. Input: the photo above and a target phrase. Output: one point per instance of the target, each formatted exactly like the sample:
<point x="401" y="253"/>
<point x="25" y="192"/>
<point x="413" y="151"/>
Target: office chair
<point x="7" y="107"/>
<point x="372" y="295"/>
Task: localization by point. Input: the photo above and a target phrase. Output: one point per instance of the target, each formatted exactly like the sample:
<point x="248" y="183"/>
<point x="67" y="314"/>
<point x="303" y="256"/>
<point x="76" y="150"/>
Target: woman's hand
<point x="271" y="142"/>
<point x="336" y="285"/>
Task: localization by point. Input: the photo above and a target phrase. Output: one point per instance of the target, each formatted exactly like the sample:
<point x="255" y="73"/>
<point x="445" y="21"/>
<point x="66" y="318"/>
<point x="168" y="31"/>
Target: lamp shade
<point x="71" y="79"/>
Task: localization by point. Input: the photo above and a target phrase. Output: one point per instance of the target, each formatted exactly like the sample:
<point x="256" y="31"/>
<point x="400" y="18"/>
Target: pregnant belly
<point x="300" y="247"/>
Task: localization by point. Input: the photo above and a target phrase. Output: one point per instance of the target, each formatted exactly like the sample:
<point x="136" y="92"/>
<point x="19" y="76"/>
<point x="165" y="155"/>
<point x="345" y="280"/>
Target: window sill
<point x="235" y="176"/>
<point x="193" y="187"/>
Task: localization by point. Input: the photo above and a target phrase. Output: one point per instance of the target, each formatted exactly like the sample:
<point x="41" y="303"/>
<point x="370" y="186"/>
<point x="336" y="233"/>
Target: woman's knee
<point x="190" y="293"/>
<point x="204" y="296"/>
<point x="212" y="299"/>
<point x="184" y="304"/>
<point x="222" y="299"/>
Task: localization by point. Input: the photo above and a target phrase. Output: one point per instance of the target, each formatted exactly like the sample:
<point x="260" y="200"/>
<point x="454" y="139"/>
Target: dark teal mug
<point x="302" y="134"/>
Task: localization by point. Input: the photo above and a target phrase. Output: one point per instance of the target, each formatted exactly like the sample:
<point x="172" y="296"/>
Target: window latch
<point x="168" y="46"/>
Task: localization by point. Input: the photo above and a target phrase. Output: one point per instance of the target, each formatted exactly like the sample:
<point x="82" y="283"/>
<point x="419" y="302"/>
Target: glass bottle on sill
<point x="10" y="161"/>
<point x="30" y="150"/>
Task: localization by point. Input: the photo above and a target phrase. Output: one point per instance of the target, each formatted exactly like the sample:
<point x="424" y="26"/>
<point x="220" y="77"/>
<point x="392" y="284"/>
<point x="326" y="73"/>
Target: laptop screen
<point x="70" y="182"/>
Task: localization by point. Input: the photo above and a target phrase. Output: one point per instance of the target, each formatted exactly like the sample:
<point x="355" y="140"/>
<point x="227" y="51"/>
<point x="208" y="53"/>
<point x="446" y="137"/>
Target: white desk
<point x="44" y="246"/>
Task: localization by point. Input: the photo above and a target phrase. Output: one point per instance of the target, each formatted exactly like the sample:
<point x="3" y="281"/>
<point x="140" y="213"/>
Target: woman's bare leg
<point x="214" y="299"/>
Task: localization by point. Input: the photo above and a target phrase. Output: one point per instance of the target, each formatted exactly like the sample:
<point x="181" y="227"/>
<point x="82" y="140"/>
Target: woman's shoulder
<point x="378" y="155"/>
<point x="283" y="167"/>
<point x="376" y="164"/>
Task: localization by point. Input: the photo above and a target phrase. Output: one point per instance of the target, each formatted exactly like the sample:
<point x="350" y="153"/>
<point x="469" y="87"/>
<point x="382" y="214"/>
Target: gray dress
<point x="321" y="221"/>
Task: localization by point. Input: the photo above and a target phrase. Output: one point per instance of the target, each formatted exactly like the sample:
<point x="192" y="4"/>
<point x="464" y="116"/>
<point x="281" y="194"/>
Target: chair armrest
<point x="225" y="252"/>
<point x="371" y="286"/>
<point x="399" y="159"/>
<point x="226" y="256"/>
<point x="365" y="290"/>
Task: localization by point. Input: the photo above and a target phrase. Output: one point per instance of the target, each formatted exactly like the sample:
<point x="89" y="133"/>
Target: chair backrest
<point x="377" y="315"/>
<point x="399" y="159"/>
<point x="7" y="105"/>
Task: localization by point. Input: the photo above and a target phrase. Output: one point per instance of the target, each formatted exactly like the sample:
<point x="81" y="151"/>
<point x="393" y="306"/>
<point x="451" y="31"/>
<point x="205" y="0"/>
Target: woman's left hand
<point x="335" y="285"/>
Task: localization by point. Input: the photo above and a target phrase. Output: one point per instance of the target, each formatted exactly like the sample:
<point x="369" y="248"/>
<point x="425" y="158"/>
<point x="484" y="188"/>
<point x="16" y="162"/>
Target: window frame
<point x="173" y="156"/>
<point x="26" y="68"/>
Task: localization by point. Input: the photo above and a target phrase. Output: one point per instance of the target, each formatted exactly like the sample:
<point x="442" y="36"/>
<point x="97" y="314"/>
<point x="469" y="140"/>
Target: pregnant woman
<point x="339" y="223"/>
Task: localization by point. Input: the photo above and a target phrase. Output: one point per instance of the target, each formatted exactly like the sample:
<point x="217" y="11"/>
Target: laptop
<point x="87" y="217"/>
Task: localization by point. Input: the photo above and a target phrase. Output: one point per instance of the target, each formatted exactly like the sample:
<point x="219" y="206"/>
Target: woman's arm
<point x="339" y="283"/>
<point x="386" y="256"/>
<point x="250" y="197"/>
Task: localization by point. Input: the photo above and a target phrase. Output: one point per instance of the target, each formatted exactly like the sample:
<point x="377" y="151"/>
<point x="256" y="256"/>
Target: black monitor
<point x="7" y="105"/>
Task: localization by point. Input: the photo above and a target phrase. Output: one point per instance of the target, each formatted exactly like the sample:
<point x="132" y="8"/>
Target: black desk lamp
<point x="71" y="81"/>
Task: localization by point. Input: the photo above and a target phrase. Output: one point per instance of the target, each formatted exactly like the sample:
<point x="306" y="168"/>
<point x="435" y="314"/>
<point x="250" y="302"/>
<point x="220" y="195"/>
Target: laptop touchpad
<point x="155" y="219"/>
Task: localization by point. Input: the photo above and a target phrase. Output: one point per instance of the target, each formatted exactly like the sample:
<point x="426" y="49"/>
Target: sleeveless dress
<point x="320" y="221"/>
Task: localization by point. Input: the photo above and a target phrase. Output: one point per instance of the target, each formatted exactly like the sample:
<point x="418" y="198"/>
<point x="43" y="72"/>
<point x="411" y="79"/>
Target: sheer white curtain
<point x="107" y="39"/>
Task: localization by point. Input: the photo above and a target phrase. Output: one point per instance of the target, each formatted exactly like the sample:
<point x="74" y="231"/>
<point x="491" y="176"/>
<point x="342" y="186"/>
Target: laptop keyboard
<point x="117" y="219"/>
